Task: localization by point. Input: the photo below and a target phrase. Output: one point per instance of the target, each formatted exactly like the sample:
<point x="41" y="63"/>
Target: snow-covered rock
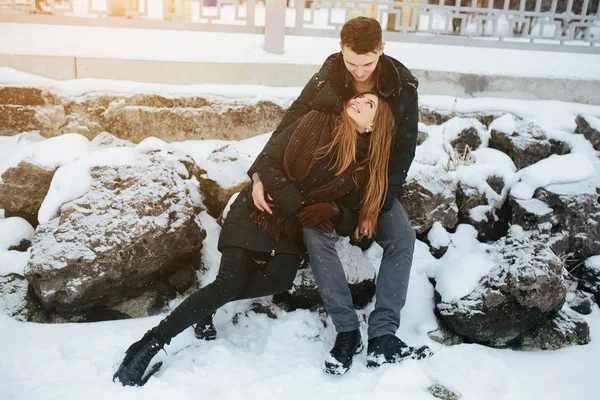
<point x="429" y="196"/>
<point x="589" y="126"/>
<point x="490" y="220"/>
<point x="525" y="142"/>
<point x="589" y="276"/>
<point x="465" y="132"/>
<point x="523" y="288"/>
<point x="15" y="300"/>
<point x="565" y="328"/>
<point x="26" y="174"/>
<point x="105" y="139"/>
<point x="116" y="223"/>
<point x="135" y="117"/>
<point x="224" y="174"/>
<point x="581" y="302"/>
<point x="26" y="109"/>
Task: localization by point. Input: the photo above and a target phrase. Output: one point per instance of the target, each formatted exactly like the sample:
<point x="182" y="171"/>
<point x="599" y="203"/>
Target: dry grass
<point x="459" y="156"/>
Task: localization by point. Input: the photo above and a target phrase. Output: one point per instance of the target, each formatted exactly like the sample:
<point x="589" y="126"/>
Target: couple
<point x="332" y="167"/>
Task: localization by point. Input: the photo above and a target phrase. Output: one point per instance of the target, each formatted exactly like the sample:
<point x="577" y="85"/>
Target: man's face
<point x="361" y="66"/>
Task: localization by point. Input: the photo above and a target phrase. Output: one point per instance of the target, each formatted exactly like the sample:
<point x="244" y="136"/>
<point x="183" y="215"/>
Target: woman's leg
<point x="276" y="277"/>
<point x="235" y="269"/>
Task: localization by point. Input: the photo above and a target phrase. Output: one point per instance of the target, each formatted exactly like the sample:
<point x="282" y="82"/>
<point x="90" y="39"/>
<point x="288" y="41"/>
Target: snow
<point x="80" y="87"/>
<point x="73" y="180"/>
<point x="50" y="153"/>
<point x="535" y="206"/>
<point x="504" y="124"/>
<point x="438" y="236"/>
<point x="466" y="262"/>
<point x="13" y="230"/>
<point x="166" y="45"/>
<point x="13" y="262"/>
<point x="593" y="262"/>
<point x="552" y="170"/>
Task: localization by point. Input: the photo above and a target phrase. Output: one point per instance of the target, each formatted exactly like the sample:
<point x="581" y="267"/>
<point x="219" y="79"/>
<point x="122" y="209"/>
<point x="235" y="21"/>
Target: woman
<point x="319" y="173"/>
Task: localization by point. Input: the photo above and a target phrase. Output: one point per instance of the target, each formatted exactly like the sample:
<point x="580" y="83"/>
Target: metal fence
<point x="560" y="25"/>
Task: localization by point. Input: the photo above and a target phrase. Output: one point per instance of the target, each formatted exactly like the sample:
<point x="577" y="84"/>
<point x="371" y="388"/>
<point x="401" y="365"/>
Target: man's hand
<point x="258" y="197"/>
<point x="364" y="228"/>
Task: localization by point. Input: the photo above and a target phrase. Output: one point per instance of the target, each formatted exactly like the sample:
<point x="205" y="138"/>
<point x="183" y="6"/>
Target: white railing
<point x="561" y="25"/>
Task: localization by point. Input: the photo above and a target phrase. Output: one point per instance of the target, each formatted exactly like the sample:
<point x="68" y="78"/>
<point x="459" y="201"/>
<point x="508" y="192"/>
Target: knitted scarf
<point x="314" y="131"/>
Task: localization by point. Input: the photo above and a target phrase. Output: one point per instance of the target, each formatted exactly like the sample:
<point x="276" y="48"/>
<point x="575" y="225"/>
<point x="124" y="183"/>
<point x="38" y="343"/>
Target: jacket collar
<point x="388" y="80"/>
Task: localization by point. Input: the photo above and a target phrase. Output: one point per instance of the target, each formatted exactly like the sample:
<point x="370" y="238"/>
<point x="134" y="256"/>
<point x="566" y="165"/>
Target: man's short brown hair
<point x="362" y="35"/>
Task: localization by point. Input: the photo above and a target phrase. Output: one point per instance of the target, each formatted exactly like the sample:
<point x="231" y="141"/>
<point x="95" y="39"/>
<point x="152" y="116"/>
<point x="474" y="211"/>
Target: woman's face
<point x="361" y="109"/>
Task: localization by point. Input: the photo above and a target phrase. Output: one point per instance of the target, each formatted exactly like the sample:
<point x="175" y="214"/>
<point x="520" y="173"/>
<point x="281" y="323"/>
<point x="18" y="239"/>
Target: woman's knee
<point x="284" y="271"/>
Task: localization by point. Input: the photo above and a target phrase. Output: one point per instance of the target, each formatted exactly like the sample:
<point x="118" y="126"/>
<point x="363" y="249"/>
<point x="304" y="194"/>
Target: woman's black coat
<point x="240" y="231"/>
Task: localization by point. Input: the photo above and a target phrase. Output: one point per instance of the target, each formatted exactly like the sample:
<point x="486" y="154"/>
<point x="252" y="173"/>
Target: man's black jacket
<point x="332" y="86"/>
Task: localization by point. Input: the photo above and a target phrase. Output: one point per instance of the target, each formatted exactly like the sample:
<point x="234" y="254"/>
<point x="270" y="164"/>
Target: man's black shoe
<point x="205" y="329"/>
<point x="347" y="344"/>
<point x="137" y="357"/>
<point x="390" y="349"/>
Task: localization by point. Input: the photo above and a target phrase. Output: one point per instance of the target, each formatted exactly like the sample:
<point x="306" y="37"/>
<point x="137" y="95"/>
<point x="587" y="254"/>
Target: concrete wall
<point x="296" y="75"/>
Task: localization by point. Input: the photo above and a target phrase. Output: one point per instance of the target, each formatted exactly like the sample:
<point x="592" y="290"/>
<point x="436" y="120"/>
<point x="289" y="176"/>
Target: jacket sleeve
<point x="403" y="149"/>
<point x="269" y="165"/>
<point x="301" y="106"/>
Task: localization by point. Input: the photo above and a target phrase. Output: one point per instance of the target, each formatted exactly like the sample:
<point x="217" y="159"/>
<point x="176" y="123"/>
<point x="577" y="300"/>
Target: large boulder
<point x="134" y="229"/>
<point x="525" y="142"/>
<point x="360" y="275"/>
<point x="523" y="289"/>
<point x="429" y="196"/>
<point x="589" y="126"/>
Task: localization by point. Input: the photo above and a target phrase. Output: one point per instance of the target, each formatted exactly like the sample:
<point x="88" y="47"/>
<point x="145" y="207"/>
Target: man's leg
<point x="333" y="286"/>
<point x="331" y="279"/>
<point x="397" y="238"/>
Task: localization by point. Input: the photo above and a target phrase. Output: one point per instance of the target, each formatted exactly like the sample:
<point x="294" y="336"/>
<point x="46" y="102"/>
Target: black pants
<point x="239" y="278"/>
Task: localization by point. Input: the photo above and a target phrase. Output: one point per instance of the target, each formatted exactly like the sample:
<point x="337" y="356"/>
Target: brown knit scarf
<point x="314" y="131"/>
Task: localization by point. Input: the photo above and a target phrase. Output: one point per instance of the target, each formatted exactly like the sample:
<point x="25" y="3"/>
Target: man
<point x="361" y="66"/>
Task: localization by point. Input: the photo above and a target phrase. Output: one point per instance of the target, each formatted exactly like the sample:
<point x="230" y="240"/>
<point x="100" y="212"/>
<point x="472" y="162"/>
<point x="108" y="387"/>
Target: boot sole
<point x="374" y="364"/>
<point x="206" y="337"/>
<point x="336" y="370"/>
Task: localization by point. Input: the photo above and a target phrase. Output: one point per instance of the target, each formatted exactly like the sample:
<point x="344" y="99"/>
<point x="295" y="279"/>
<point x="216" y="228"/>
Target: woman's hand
<point x="364" y="228"/>
<point x="259" y="198"/>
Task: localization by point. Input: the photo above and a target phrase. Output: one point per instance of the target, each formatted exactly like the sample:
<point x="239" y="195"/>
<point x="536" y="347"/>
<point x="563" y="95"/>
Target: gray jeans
<point x="397" y="238"/>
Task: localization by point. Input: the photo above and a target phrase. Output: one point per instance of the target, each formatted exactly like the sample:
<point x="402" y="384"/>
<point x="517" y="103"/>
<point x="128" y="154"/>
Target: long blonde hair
<point x="374" y="166"/>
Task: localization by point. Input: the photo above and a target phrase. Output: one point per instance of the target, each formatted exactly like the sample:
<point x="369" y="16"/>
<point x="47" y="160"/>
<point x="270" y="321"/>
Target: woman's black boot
<point x="205" y="329"/>
<point x="137" y="357"/>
